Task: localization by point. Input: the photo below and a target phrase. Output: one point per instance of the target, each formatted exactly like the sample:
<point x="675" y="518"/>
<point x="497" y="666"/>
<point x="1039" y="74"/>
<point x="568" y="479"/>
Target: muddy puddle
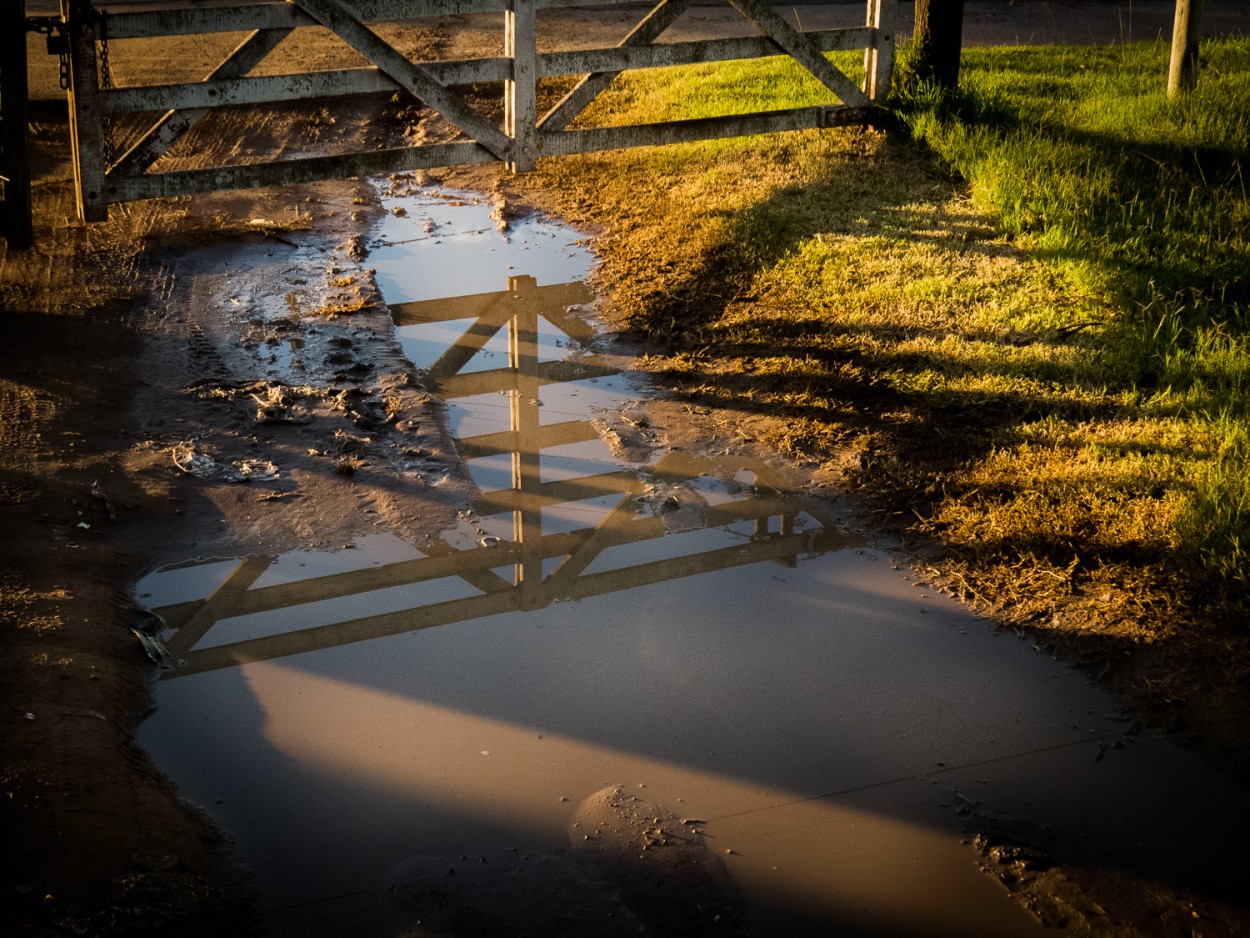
<point x="633" y="689"/>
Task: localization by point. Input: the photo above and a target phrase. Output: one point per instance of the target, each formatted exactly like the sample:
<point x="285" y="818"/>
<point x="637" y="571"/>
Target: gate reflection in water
<point x="781" y="528"/>
<point x="725" y="658"/>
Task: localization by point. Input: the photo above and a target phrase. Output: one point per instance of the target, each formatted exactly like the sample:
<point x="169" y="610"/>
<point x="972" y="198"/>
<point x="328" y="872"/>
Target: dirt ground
<point x="117" y="376"/>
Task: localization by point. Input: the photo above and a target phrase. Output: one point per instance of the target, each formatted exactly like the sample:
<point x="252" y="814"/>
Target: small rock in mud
<point x="679" y="507"/>
<point x="355" y="248"/>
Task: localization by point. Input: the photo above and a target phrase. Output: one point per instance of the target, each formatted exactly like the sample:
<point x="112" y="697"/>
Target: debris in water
<point x="148" y="632"/>
<point x="355" y="248"/>
<point x="500" y="214"/>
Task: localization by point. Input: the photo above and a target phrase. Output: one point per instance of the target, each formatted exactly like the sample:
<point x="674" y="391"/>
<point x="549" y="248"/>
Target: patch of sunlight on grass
<point x="1143" y="199"/>
<point x="715" y="89"/>
<point x="1094" y="504"/>
<point x="1028" y="323"/>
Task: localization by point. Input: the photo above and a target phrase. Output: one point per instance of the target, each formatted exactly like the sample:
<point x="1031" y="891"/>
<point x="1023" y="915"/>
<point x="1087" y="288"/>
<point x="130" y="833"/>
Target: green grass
<point x="1026" y="314"/>
<point x="1082" y="158"/>
<point x="717" y="89"/>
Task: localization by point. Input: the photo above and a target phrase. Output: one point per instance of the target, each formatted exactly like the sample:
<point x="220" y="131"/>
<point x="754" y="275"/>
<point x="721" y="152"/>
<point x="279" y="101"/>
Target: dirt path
<point x="117" y="367"/>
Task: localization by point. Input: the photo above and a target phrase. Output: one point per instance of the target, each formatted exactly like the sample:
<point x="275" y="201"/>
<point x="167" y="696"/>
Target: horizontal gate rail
<point x="103" y="177"/>
<point x="271" y="89"/>
<point x="595" y="139"/>
<point x="278" y="14"/>
<point x="308" y="168"/>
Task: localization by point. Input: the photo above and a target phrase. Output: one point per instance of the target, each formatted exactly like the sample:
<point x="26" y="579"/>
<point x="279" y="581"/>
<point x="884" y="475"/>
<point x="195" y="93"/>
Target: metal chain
<point x="53" y="29"/>
<point x="106" y="83"/>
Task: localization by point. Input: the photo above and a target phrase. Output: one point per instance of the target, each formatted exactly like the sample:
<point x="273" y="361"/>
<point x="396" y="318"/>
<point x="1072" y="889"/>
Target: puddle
<point x="632" y="688"/>
<point x="437" y="244"/>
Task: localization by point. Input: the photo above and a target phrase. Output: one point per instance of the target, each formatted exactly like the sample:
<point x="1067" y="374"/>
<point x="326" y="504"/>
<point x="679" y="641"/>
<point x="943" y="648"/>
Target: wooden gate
<point x="103" y="177"/>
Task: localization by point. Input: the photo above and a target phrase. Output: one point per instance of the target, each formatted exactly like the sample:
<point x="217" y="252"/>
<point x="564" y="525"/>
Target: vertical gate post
<point x="527" y="524"/>
<point x="85" y="112"/>
<point x="521" y="91"/>
<point x="17" y="225"/>
<point x="879" y="56"/>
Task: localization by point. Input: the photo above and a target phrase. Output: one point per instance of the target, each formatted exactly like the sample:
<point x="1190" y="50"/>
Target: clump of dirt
<point x="1088" y="899"/>
<point x="660" y="864"/>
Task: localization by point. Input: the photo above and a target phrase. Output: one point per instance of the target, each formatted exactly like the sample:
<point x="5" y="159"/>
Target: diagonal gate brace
<point x="173" y="124"/>
<point x="798" y="47"/>
<point x="335" y="16"/>
<point x="588" y="88"/>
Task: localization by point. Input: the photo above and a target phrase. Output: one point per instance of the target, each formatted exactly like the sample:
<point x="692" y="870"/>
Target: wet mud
<point x="631" y="867"/>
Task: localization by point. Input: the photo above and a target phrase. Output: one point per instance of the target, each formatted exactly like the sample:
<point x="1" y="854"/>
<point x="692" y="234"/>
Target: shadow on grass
<point x="1156" y="217"/>
<point x="924" y="401"/>
<point x="716" y="330"/>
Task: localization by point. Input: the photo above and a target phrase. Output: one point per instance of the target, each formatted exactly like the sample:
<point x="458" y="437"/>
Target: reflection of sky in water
<point x="424" y="343"/>
<point x="442" y="249"/>
<point x="560" y="463"/>
<point x="574" y="400"/>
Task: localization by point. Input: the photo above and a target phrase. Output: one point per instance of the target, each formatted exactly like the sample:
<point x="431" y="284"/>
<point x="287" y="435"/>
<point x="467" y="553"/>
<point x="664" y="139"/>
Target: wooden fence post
<point x="521" y="90"/>
<point x="17" y="224"/>
<point x="86" y="125"/>
<point x="1186" y="30"/>
<point x="879" y="56"/>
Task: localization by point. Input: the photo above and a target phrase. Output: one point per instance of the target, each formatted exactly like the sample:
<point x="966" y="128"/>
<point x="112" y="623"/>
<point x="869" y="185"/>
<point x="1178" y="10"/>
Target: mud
<point x="631" y="867"/>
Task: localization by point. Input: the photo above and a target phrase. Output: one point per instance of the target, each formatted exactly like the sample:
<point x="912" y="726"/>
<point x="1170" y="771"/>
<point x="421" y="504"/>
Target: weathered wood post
<point x="1186" y="30"/>
<point x="527" y="528"/>
<point x="879" y="56"/>
<point x="521" y="91"/>
<point x="17" y="225"/>
<point x="939" y="41"/>
<point x="86" y="126"/>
